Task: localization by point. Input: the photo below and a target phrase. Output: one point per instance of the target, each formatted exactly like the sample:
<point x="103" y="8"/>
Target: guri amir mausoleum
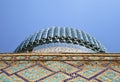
<point x="60" y="54"/>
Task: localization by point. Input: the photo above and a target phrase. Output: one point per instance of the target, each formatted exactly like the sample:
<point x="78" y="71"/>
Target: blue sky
<point x="20" y="18"/>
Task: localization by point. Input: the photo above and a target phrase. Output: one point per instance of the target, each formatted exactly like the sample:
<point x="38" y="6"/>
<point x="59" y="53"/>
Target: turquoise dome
<point x="60" y="35"/>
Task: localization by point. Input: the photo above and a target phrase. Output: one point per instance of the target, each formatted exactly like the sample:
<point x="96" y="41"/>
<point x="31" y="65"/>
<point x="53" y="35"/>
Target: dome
<point x="60" y="38"/>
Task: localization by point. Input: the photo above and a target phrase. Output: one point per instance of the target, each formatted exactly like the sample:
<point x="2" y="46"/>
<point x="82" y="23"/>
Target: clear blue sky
<point x="20" y="18"/>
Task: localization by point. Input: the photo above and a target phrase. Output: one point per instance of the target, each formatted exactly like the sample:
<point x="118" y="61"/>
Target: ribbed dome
<point x="60" y="35"/>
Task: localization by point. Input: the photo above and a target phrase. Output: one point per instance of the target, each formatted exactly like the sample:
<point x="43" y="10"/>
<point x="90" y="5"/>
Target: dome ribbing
<point x="60" y="35"/>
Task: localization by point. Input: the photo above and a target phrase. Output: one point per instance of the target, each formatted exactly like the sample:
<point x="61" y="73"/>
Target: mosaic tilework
<point x="110" y="76"/>
<point x="90" y="71"/>
<point x="13" y="78"/>
<point x="58" y="77"/>
<point x="18" y="66"/>
<point x="60" y="66"/>
<point x="60" y="71"/>
<point x="34" y="73"/>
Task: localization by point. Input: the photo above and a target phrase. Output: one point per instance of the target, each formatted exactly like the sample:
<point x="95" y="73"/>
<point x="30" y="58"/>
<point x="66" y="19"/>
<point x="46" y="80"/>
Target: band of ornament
<point x="59" y="57"/>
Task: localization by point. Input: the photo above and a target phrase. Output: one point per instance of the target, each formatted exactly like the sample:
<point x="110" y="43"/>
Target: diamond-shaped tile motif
<point x="89" y="71"/>
<point x="59" y="71"/>
<point x="12" y="78"/>
<point x="18" y="66"/>
<point x="58" y="77"/>
<point x="109" y="76"/>
<point x="34" y="73"/>
<point x="60" y="66"/>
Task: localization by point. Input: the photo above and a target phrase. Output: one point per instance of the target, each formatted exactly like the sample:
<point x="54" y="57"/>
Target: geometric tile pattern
<point x="58" y="77"/>
<point x="90" y="71"/>
<point x="34" y="73"/>
<point x="60" y="71"/>
<point x="109" y="76"/>
<point x="60" y="66"/>
<point x="18" y="66"/>
<point x="13" y="78"/>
